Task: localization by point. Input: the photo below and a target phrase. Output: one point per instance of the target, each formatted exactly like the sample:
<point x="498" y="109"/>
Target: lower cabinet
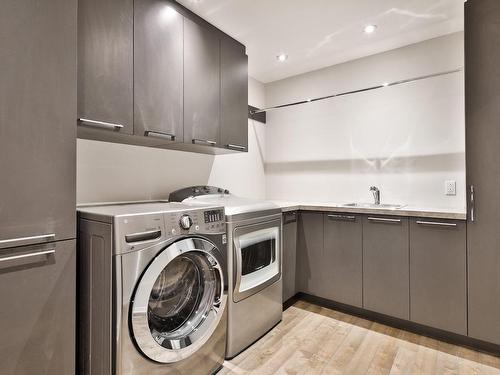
<point x="438" y="286"/>
<point x="310" y="262"/>
<point x="289" y="254"/>
<point x="37" y="317"/>
<point x="386" y="265"/>
<point x="343" y="258"/>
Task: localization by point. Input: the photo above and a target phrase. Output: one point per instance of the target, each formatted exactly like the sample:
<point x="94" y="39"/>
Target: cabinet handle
<point x="23" y="241"/>
<point x="100" y="124"/>
<point x="342" y="217"/>
<point x="384" y="220"/>
<point x="435" y="223"/>
<point x="236" y="147"/>
<point x="289" y="217"/>
<point x="204" y="141"/>
<point x="472" y="204"/>
<point x="157" y="134"/>
<point x="30" y="255"/>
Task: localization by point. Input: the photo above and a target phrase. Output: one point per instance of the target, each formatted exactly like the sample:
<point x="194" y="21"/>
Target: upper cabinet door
<point x="37" y="121"/>
<point x="105" y="64"/>
<point x="201" y="85"/>
<point x="158" y="70"/>
<point x="234" y="95"/>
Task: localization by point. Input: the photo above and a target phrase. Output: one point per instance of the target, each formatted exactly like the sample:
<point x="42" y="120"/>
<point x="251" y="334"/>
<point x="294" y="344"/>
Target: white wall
<point x="109" y="172"/>
<point x="405" y="139"/>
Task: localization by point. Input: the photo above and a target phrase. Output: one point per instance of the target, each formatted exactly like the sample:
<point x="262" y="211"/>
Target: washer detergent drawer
<point x="257" y="257"/>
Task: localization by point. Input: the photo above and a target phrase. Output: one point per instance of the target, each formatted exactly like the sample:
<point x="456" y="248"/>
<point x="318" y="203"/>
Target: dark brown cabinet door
<point x="289" y="254"/>
<point x="310" y="260"/>
<point x="37" y="120"/>
<point x="438" y="286"/>
<point x="234" y="95"/>
<point x="158" y="70"/>
<point x="105" y="64"/>
<point x="482" y="97"/>
<point x="37" y="318"/>
<point x="386" y="265"/>
<point x="343" y="258"/>
<point x="201" y="85"/>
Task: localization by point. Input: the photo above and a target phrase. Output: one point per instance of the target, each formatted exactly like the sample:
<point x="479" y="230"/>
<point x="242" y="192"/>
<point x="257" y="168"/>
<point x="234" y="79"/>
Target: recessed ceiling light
<point x="282" y="57"/>
<point x="369" y="29"/>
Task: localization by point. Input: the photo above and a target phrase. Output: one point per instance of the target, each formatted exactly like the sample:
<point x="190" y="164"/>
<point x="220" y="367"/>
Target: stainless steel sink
<point x="386" y="206"/>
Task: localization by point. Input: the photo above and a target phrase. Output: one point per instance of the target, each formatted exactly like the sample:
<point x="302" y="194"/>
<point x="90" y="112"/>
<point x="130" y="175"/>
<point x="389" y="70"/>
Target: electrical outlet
<point x="450" y="187"/>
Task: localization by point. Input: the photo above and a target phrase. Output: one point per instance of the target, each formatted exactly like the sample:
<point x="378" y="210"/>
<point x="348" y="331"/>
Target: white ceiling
<point x="320" y="33"/>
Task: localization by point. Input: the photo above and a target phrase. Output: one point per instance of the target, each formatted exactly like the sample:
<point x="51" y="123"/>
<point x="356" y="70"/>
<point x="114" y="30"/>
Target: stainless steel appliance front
<point x="255" y="288"/>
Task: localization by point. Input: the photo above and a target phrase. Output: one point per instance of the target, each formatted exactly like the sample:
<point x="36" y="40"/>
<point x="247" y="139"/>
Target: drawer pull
<point x="23" y="241"/>
<point x="204" y="141"/>
<point x="437" y="224"/>
<point x="236" y="147"/>
<point x="30" y="255"/>
<point x="157" y="134"/>
<point x="384" y="220"/>
<point x="342" y="217"/>
<point x="100" y="124"/>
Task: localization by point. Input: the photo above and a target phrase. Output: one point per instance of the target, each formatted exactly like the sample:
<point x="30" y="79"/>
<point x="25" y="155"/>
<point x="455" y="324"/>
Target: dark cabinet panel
<point x="310" y="254"/>
<point x="105" y="64"/>
<point x="201" y="85"/>
<point x="37" y="120"/>
<point x="37" y="318"/>
<point x="438" y="286"/>
<point x="343" y="258"/>
<point x="289" y="254"/>
<point x="158" y="70"/>
<point x="234" y="95"/>
<point x="482" y="98"/>
<point x="386" y="265"/>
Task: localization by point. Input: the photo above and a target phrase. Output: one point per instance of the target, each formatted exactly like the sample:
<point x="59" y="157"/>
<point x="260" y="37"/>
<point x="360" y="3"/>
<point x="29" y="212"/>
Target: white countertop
<point x="410" y="211"/>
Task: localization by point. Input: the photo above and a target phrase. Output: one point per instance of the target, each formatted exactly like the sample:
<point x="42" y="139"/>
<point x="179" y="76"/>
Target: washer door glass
<point x="179" y="300"/>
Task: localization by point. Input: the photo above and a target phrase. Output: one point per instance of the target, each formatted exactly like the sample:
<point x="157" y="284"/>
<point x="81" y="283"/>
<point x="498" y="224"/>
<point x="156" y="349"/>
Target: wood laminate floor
<point x="316" y="340"/>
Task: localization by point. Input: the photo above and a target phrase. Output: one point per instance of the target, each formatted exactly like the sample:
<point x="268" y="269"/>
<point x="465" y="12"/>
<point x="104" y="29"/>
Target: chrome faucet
<point x="376" y="194"/>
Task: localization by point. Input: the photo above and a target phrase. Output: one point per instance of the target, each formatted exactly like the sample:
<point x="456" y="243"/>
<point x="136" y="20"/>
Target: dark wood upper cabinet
<point x="201" y="85"/>
<point x="482" y="110"/>
<point x="37" y="120"/>
<point x="234" y="95"/>
<point x="105" y="64"/>
<point x="158" y="70"/>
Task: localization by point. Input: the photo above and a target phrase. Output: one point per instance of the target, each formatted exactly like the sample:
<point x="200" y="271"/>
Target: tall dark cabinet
<point x="482" y="95"/>
<point x="37" y="165"/>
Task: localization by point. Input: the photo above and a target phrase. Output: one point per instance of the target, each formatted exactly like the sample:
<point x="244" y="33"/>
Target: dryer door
<point x="179" y="300"/>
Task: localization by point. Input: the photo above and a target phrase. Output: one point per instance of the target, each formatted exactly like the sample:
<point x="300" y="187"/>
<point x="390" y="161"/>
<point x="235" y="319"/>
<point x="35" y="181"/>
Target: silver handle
<point x="236" y="147"/>
<point x="205" y="141"/>
<point x="384" y="220"/>
<point x="23" y="241"/>
<point x="143" y="236"/>
<point x="342" y="217"/>
<point x="100" y="124"/>
<point x="472" y="204"/>
<point x="435" y="223"/>
<point x="153" y="133"/>
<point x="30" y="255"/>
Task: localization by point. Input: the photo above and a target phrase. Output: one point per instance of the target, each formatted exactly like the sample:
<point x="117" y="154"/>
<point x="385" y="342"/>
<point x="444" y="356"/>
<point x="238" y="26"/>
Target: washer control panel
<point x="195" y="221"/>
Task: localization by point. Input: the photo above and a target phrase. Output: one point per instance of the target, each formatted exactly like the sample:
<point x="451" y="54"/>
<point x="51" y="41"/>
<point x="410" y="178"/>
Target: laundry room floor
<point x="316" y="340"/>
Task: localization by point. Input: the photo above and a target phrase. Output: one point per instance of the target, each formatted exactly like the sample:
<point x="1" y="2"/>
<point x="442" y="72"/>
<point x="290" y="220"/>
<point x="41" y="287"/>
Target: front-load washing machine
<point x="153" y="289"/>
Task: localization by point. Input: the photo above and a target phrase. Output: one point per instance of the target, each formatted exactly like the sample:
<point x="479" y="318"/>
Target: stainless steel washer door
<point x="179" y="301"/>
